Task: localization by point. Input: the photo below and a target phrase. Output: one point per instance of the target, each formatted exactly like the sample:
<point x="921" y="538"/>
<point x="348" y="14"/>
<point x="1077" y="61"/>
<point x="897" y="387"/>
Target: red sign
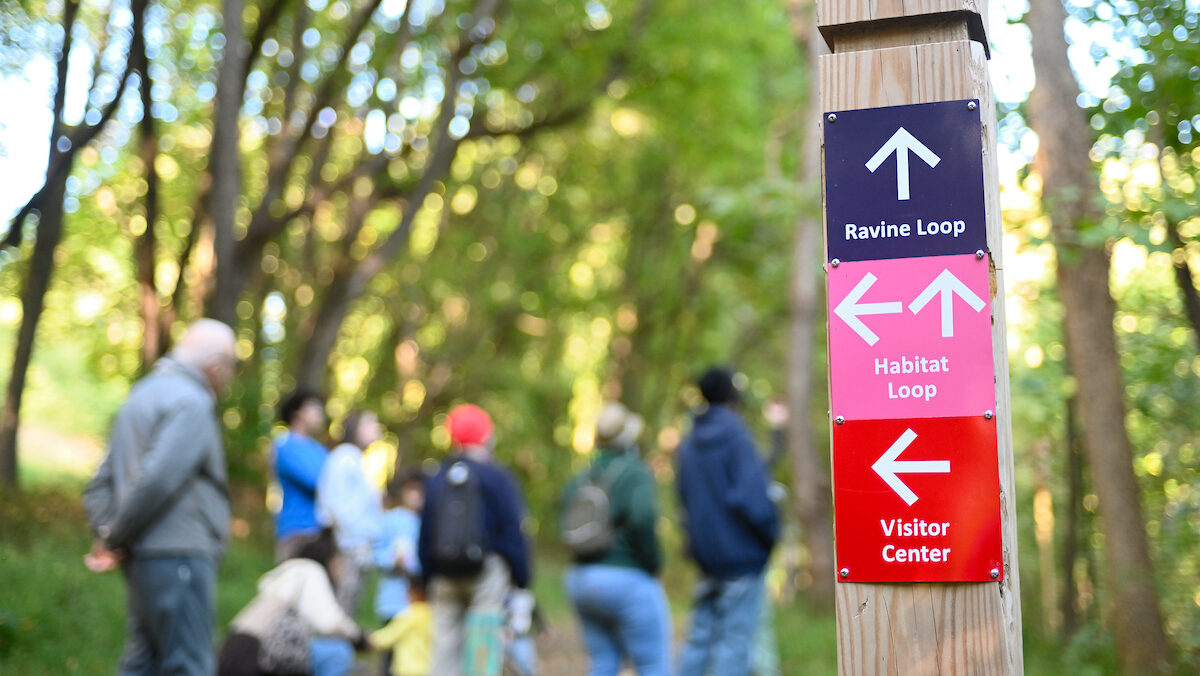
<point x="917" y="500"/>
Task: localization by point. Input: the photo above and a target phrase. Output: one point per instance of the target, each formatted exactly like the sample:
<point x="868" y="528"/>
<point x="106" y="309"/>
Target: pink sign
<point x="910" y="338"/>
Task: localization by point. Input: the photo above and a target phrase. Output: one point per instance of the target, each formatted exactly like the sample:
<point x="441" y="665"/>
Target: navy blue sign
<point x="904" y="181"/>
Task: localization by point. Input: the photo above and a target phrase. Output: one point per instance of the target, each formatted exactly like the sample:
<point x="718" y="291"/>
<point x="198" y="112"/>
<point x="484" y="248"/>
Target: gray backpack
<point x="587" y="528"/>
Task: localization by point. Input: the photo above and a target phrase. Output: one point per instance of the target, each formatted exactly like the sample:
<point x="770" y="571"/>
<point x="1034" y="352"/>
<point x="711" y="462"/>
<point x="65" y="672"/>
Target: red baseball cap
<point x="469" y="425"/>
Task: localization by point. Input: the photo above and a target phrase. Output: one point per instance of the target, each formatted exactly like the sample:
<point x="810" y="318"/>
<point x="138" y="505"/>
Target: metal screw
<point x="839" y="420"/>
<point x="835" y="262"/>
<point x="845" y="572"/>
<point x="987" y="415"/>
<point x="995" y="573"/>
<point x="979" y="253"/>
<point x="832" y="118"/>
<point x="970" y="105"/>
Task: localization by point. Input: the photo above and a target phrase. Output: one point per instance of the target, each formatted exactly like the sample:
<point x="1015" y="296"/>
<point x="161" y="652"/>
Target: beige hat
<point x="617" y="426"/>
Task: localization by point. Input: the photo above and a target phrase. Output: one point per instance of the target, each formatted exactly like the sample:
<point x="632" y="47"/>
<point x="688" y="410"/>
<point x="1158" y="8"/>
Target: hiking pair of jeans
<point x="623" y="613"/>
<point x="172" y="601"/>
<point x="725" y="618"/>
<point x="330" y="656"/>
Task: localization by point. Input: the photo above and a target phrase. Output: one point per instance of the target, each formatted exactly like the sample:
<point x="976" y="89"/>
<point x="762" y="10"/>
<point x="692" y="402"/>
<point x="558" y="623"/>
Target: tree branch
<point x="618" y="65"/>
<point x="262" y="226"/>
<point x="60" y="161"/>
<point x="15" y="234"/>
<point x="267" y="19"/>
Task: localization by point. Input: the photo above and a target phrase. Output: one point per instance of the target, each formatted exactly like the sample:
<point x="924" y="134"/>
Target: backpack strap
<point x="608" y="480"/>
<point x="615" y="469"/>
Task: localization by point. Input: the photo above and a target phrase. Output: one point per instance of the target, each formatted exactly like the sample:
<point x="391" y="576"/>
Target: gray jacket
<point x="161" y="489"/>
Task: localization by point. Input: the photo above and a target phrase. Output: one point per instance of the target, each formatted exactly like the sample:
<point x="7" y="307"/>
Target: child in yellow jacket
<point x="409" y="636"/>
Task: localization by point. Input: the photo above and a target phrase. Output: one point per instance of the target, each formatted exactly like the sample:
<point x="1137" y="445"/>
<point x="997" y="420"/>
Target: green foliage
<point x="618" y="214"/>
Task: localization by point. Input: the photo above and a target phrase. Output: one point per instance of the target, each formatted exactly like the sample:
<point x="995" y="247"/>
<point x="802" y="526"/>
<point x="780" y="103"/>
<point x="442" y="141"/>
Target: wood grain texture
<point x="841" y="12"/>
<point x="915" y="629"/>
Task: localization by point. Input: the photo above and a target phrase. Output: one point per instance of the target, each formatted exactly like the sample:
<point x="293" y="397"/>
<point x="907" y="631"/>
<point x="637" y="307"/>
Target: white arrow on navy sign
<point x="849" y="309"/>
<point x="901" y="143"/>
<point x="947" y="285"/>
<point x="887" y="467"/>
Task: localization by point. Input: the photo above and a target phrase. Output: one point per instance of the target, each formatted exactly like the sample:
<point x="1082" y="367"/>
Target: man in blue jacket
<point x="731" y="527"/>
<point x="468" y="598"/>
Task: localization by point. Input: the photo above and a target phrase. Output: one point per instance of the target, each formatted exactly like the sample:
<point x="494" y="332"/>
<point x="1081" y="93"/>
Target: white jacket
<point x="302" y="585"/>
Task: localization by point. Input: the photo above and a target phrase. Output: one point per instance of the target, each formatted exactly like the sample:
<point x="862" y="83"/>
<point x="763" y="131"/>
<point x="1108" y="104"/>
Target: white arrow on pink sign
<point x="893" y="356"/>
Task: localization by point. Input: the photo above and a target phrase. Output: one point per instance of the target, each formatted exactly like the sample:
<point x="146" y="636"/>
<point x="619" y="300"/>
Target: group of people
<point x="452" y="559"/>
<point x="730" y="524"/>
<point x="332" y="529"/>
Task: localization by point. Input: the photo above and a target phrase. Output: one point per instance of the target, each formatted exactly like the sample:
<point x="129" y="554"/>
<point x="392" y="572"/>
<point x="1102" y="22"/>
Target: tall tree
<point x="66" y="140"/>
<point x="1068" y="186"/>
<point x="225" y="167"/>
<point x="809" y="463"/>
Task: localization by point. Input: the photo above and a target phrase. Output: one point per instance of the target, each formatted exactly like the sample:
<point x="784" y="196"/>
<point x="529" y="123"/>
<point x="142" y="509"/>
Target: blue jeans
<point x="330" y="656"/>
<point x="725" y="617"/>
<point x="171" y="609"/>
<point x="624" y="614"/>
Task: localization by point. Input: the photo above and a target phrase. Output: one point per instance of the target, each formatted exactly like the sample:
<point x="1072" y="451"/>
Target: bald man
<point x="159" y="505"/>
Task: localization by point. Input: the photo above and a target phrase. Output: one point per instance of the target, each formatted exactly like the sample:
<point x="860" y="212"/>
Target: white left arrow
<point x="902" y="143"/>
<point x="947" y="285"/>
<point x="887" y="466"/>
<point x="849" y="309"/>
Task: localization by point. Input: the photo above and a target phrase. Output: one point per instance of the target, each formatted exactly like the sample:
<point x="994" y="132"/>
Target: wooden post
<point x="895" y="53"/>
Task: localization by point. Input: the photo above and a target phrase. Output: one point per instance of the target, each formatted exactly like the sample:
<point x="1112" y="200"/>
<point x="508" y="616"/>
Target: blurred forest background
<point x="537" y="205"/>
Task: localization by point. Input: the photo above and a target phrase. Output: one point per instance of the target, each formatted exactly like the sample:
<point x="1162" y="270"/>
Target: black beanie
<point x="716" y="385"/>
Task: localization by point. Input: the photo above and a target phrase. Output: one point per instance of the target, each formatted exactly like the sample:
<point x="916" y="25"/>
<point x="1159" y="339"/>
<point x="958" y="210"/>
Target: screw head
<point x="995" y="574"/>
<point x="839" y="420"/>
<point x="845" y="572"/>
<point x="979" y="253"/>
<point x="971" y="105"/>
<point x="832" y="118"/>
<point x="835" y="262"/>
<point x="987" y="415"/>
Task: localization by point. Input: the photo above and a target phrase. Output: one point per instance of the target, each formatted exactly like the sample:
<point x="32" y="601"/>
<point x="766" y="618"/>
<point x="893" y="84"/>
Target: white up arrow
<point x="901" y="143"/>
<point x="887" y="466"/>
<point x="849" y="309"/>
<point x="947" y="285"/>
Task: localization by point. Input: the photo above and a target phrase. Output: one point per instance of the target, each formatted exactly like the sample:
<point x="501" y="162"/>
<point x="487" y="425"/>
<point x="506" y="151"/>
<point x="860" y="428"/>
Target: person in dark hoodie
<point x="731" y="526"/>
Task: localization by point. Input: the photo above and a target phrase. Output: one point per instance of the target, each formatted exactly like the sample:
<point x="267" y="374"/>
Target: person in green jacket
<point x="614" y="588"/>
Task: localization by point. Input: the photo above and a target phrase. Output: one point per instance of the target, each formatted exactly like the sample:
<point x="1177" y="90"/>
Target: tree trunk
<point x="153" y="328"/>
<point x="810" y="474"/>
<point x="49" y="202"/>
<point x="33" y="301"/>
<point x="315" y="350"/>
<point x="225" y="169"/>
<point x="1183" y="278"/>
<point x="1074" y="503"/>
<point x="1083" y="276"/>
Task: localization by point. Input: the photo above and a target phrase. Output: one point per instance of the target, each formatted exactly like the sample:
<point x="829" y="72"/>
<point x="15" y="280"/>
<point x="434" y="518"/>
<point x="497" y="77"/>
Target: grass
<point x="58" y="618"/>
<point x="55" y="615"/>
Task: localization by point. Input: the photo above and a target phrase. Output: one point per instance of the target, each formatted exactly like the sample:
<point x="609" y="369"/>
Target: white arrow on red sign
<point x="849" y="309"/>
<point x="947" y="285"/>
<point x="887" y="466"/>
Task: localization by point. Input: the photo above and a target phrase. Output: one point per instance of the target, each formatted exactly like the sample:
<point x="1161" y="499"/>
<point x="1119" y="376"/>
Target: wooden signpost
<point x="925" y="513"/>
